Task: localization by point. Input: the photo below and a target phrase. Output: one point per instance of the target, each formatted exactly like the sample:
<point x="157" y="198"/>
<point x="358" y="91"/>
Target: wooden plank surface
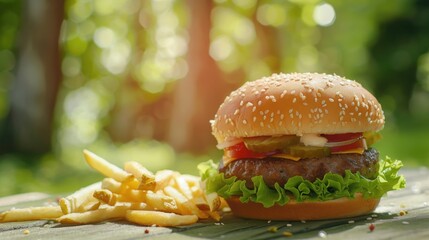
<point x="402" y="214"/>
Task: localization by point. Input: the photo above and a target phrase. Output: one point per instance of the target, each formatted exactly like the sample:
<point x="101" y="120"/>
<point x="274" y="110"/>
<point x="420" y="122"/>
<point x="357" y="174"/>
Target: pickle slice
<point x="269" y="144"/>
<point x="308" y="151"/>
<point x="371" y="137"/>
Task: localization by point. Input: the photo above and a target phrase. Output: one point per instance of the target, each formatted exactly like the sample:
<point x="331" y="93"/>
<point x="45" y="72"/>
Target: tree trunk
<point x="198" y="96"/>
<point x="38" y="75"/>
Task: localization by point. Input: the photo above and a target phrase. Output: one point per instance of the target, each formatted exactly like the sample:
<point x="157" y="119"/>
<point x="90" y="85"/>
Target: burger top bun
<point x="295" y="104"/>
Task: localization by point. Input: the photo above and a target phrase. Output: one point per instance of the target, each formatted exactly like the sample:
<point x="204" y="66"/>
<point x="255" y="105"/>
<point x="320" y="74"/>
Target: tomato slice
<point x="355" y="145"/>
<point x="341" y="137"/>
<point x="239" y="151"/>
<point x="345" y="137"/>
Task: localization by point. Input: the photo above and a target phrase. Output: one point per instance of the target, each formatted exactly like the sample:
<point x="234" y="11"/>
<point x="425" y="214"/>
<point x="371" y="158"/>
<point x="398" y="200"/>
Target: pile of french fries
<point x="166" y="198"/>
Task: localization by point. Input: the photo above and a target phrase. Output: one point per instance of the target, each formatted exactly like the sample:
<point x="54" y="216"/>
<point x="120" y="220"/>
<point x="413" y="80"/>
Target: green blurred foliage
<point x="107" y="41"/>
<point x="10" y="20"/>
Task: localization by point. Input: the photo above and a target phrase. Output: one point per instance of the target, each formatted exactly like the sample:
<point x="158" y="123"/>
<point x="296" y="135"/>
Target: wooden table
<point x="402" y="214"/>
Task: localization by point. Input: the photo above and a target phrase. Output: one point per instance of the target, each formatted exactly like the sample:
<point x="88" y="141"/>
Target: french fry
<point x="185" y="205"/>
<point x="213" y="201"/>
<point x="31" y="213"/>
<point x="132" y="183"/>
<point x="132" y="195"/>
<point x="191" y="180"/>
<point x="183" y="187"/>
<point x="166" y="198"/>
<point x="201" y="203"/>
<point x="161" y="202"/>
<point x="163" y="178"/>
<point x="112" y="185"/>
<point x="99" y="215"/>
<point x="105" y="196"/>
<point x="134" y="205"/>
<point x="159" y="218"/>
<point x="146" y="177"/>
<point x="215" y="215"/>
<point x="89" y="206"/>
<point x="80" y="199"/>
<point x="106" y="168"/>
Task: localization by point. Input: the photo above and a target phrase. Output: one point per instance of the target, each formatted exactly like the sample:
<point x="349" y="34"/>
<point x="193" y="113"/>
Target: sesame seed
<point x="249" y="104"/>
<point x="294" y="100"/>
<point x="236" y="111"/>
<point x="254" y="119"/>
<point x="259" y="102"/>
<point x="331" y="99"/>
<point x="244" y="122"/>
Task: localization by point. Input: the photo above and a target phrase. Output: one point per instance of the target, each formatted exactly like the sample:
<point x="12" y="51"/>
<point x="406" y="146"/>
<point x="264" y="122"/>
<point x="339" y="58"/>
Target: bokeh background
<point x="140" y="80"/>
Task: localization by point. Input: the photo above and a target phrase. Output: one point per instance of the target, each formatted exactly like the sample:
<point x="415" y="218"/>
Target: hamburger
<point x="299" y="147"/>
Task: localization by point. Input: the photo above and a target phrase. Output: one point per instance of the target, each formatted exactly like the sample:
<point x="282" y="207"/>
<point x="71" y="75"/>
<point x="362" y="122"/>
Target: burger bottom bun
<point x="296" y="211"/>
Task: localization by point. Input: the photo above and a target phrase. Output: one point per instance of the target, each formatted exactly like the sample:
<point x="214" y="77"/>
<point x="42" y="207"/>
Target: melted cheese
<point x="356" y="150"/>
<point x="287" y="156"/>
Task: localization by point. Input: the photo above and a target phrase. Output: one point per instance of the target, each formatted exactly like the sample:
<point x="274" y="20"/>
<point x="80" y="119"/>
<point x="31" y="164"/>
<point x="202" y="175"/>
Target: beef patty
<point x="280" y="170"/>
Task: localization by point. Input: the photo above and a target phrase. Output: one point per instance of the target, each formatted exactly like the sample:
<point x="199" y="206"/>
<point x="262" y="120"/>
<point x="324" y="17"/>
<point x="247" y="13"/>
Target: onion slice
<point x="343" y="143"/>
<point x="228" y="143"/>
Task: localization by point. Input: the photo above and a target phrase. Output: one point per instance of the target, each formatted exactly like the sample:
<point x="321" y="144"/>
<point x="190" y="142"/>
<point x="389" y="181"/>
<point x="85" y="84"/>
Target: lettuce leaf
<point x="332" y="186"/>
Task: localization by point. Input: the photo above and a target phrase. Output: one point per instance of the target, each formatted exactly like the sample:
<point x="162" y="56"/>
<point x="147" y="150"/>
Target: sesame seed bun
<point x="295" y="104"/>
<point x="295" y="211"/>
